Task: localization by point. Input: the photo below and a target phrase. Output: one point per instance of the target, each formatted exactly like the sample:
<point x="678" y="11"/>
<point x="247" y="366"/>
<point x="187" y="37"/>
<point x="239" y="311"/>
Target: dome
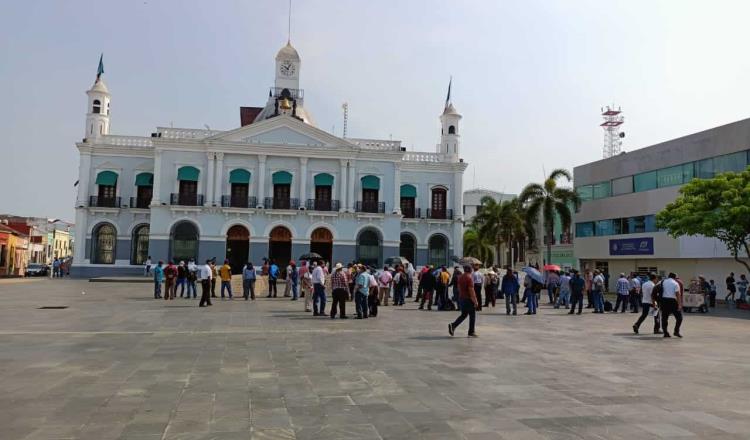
<point x="450" y="110"/>
<point x="287" y="53"/>
<point x="99" y="86"/>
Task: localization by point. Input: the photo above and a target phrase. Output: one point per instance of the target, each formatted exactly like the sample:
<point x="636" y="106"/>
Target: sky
<point x="529" y="76"/>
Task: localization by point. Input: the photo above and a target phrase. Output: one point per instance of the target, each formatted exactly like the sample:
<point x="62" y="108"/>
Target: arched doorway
<point x="238" y="247"/>
<point x="139" y="245"/>
<point x="437" y="253"/>
<point x="280" y="247"/>
<point x="407" y="247"/>
<point x="184" y="242"/>
<point x="369" y="249"/>
<point x="104" y="239"/>
<point x="321" y="242"/>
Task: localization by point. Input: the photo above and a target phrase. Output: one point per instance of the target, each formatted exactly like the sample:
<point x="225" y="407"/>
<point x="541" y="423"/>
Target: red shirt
<point x="466" y="287"/>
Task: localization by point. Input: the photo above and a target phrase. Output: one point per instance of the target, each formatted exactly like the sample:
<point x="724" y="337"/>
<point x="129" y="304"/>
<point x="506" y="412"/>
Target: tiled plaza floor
<point x="118" y="365"/>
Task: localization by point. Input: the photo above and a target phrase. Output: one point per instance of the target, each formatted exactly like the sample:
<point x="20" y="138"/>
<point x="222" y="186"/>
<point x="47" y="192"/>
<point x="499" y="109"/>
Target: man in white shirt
<point x="648" y="303"/>
<point x="319" y="291"/>
<point x="671" y="304"/>
<point x="205" y="273"/>
<point x="635" y="292"/>
<point x="598" y="292"/>
<point x="385" y="280"/>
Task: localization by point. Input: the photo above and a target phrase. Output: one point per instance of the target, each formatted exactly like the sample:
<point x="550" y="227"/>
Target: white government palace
<point x="277" y="187"/>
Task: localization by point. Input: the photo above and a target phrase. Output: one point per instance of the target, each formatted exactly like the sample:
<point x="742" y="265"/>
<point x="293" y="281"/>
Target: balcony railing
<point x="412" y="213"/>
<point x="139" y="203"/>
<point x="565" y="239"/>
<point x="238" y="202"/>
<point x="274" y="203"/>
<point x="104" y="202"/>
<point x="440" y="214"/>
<point x="374" y="207"/>
<point x="186" y="199"/>
<point x="322" y="205"/>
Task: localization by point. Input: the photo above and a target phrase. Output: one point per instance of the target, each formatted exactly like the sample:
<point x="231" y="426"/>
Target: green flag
<point x="100" y="69"/>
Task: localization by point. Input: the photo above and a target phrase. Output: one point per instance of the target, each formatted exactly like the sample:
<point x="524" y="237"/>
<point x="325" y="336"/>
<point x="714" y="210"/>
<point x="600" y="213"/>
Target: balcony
<point x="186" y="199"/>
<point x="139" y="203"/>
<point x="274" y="203"/>
<point x="440" y="214"/>
<point x="374" y="207"/>
<point x="322" y="205"/>
<point x="412" y="213"/>
<point x="104" y="202"/>
<point x="238" y="202"/>
<point x="565" y="239"/>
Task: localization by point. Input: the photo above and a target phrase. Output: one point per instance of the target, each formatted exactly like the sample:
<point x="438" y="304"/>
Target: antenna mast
<point x="345" y="107"/>
<point x="289" y="24"/>
<point x="613" y="134"/>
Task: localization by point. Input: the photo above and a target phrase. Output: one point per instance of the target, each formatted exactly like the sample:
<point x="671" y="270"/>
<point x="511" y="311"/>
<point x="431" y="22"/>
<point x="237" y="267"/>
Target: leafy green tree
<point x="717" y="208"/>
<point x="547" y="199"/>
<point x="477" y="246"/>
<point x="500" y="222"/>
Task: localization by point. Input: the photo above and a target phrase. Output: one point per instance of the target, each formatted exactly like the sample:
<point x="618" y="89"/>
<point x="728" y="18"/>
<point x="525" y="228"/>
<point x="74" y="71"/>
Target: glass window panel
<point x="585" y="192"/>
<point x="585" y="229"/>
<point x="688" y="172"/>
<point x="637" y="224"/>
<point x="617" y="226"/>
<point x="650" y="223"/>
<point x="730" y="162"/>
<point x="705" y="169"/>
<point x="602" y="190"/>
<point x="644" y="181"/>
<point x="603" y="227"/>
<point x="669" y="176"/>
<point x="623" y="185"/>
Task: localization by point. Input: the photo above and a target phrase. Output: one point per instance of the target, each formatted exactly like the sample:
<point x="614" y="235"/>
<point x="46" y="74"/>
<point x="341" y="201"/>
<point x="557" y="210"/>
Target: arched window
<point x="407" y="247"/>
<point x="452" y="130"/>
<point x="323" y="193"/>
<point x="282" y="190"/>
<point x="106" y="182"/>
<point x="184" y="241"/>
<point x="188" y="195"/>
<point x="239" y="180"/>
<point x="370" y="190"/>
<point x="368" y="248"/>
<point x="97" y="107"/>
<point x="408" y="201"/>
<point x="103" y="240"/>
<point x="438" y="250"/>
<point x="139" y="245"/>
<point x="438" y="204"/>
<point x="144" y="183"/>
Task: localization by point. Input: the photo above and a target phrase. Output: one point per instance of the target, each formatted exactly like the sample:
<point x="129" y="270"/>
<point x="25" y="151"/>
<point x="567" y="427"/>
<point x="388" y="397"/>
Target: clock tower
<point x="287" y="68"/>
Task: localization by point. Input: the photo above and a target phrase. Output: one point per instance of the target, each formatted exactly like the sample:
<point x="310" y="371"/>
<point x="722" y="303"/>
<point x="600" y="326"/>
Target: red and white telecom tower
<point x="613" y="134"/>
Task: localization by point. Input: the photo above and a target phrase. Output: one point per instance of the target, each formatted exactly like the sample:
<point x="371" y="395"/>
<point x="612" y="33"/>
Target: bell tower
<point x="97" y="116"/>
<point x="288" y="66"/>
<point x="450" y="138"/>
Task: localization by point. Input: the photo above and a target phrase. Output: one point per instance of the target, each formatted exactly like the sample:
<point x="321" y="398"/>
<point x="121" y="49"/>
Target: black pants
<point x="589" y="299"/>
<point x="489" y="298"/>
<point x="478" y="293"/>
<point x="272" y="288"/>
<point x="213" y="287"/>
<point x="467" y="309"/>
<point x="409" y="287"/>
<point x="205" y="293"/>
<point x="372" y="302"/>
<point x="426" y="296"/>
<point x="669" y="307"/>
<point x="635" y="300"/>
<point x="339" y="301"/>
<point x="621" y="299"/>
<point x="576" y="298"/>
<point x="644" y="314"/>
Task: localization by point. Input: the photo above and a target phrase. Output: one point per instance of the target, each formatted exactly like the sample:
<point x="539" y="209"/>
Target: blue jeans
<point x="181" y="284"/>
<point x="743" y="295"/>
<point x="598" y="301"/>
<point x="563" y="299"/>
<point x="360" y="300"/>
<point x="191" y="288"/>
<point x="532" y="302"/>
<point x="319" y="294"/>
<point x="228" y="286"/>
<point x="157" y="289"/>
<point x="398" y="295"/>
<point x="295" y="290"/>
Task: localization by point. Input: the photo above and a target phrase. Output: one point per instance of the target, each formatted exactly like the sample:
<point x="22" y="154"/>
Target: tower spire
<point x="448" y="97"/>
<point x="100" y="69"/>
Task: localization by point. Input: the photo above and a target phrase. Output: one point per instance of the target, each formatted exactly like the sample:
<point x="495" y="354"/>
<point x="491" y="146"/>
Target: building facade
<point x="275" y="187"/>
<point x="14" y="247"/>
<point x="615" y="228"/>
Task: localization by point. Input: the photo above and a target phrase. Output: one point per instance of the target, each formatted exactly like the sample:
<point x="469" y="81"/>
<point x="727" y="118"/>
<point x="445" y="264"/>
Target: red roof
<point x="248" y="115"/>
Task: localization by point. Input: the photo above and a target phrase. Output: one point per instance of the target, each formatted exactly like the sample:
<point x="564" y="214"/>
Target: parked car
<point x="37" y="270"/>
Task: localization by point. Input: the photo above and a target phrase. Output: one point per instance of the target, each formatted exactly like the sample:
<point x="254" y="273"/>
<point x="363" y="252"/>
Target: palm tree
<point x="500" y="222"/>
<point x="549" y="199"/>
<point x="512" y="224"/>
<point x="477" y="246"/>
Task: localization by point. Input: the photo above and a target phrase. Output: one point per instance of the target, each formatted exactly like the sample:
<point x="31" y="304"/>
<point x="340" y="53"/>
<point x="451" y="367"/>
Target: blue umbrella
<point x="534" y="274"/>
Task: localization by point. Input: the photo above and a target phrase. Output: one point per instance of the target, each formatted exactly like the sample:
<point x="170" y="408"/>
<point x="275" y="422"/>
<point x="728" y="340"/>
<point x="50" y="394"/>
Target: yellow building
<point x="13" y="252"/>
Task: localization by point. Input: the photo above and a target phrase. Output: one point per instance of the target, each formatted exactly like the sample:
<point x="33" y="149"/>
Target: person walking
<point x="248" y="281"/>
<point x="491" y="285"/>
<point x="478" y="280"/>
<point x="564" y="297"/>
<point x="428" y="287"/>
<point x="362" y="289"/>
<point x="553" y="283"/>
<point x="158" y="279"/>
<point x="532" y="288"/>
<point x="577" y="286"/>
<point x="742" y="288"/>
<point x="385" y="281"/>
<point x="319" y="291"/>
<point x="226" y="279"/>
<point x="170" y="275"/>
<point x="214" y="277"/>
<point x="468" y="303"/>
<point x="597" y="294"/>
<point x="671" y="304"/>
<point x="731" y="289"/>
<point x="509" y="287"/>
<point x="712" y="293"/>
<point x="648" y="303"/>
<point x="273" y="275"/>
<point x="623" y="292"/>
<point x="340" y="287"/>
<point x="181" y="279"/>
<point x="147" y="266"/>
<point x="635" y="292"/>
<point x="205" y="274"/>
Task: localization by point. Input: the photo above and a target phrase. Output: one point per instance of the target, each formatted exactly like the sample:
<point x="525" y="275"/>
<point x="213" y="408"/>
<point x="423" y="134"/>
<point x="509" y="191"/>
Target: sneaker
<point x="635" y="330"/>
<point x="666" y="335"/>
<point x="473" y="335"/>
<point x="450" y="329"/>
<point x="677" y="334"/>
<point x="570" y="312"/>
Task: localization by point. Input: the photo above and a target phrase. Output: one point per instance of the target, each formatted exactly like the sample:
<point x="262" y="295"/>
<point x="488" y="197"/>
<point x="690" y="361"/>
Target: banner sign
<point x="632" y="246"/>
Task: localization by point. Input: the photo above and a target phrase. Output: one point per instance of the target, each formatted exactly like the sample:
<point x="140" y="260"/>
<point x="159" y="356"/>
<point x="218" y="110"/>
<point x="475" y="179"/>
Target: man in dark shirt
<point x="468" y="303"/>
<point x="576" y="292"/>
<point x="731" y="287"/>
<point x="428" y="288"/>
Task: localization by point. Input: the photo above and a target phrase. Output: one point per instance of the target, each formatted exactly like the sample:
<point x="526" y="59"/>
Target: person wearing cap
<point x="509" y="287"/>
<point x="468" y="303"/>
<point x="671" y="304"/>
<point x="339" y="284"/>
<point x="648" y="303"/>
<point x="577" y="286"/>
<point x="205" y="274"/>
<point x="225" y="273"/>
<point x="319" y="291"/>
<point x="491" y="284"/>
<point x="361" y="291"/>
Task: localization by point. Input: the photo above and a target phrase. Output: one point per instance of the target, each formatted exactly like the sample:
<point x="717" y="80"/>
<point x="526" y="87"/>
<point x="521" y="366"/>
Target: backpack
<point x="607" y="306"/>
<point x="536" y="286"/>
<point x="657" y="293"/>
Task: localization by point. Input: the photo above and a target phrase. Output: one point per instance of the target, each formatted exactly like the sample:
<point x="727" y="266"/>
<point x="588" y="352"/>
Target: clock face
<point x="287" y="68"/>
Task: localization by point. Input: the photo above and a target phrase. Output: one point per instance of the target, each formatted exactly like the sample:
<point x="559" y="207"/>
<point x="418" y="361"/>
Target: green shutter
<point x="239" y="176"/>
<point x="323" y="179"/>
<point x="408" y="191"/>
<point x="108" y="178"/>
<point x="144" y="179"/>
<point x="188" y="173"/>
<point x="370" y="182"/>
<point x="282" y="178"/>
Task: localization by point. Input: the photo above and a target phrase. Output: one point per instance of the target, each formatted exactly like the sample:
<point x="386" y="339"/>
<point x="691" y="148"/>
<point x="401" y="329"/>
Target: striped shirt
<point x="623" y="286"/>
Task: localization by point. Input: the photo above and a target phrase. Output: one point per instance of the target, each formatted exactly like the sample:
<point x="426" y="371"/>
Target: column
<point x="342" y="185"/>
<point x="156" y="189"/>
<point x="219" y="180"/>
<point x="352" y="173"/>
<point x="302" y="182"/>
<point x="397" y="188"/>
<point x="261" y="179"/>
<point x="210" y="181"/>
<point x="84" y="172"/>
<point x="458" y="195"/>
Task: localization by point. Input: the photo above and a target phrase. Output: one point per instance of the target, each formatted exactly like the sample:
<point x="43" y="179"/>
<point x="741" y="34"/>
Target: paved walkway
<point x="118" y="365"/>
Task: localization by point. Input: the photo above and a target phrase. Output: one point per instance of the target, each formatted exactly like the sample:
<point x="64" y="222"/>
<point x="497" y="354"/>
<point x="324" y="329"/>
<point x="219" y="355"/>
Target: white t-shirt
<point x="599" y="282"/>
<point x="647" y="288"/>
<point x="670" y="287"/>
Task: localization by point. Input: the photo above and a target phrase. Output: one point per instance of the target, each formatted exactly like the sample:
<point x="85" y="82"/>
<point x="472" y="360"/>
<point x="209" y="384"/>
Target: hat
<point x="491" y="272"/>
<point x="622" y="274"/>
<point x="338" y="266"/>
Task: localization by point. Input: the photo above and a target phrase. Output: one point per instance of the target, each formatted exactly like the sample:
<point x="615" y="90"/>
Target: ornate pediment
<point x="282" y="130"/>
